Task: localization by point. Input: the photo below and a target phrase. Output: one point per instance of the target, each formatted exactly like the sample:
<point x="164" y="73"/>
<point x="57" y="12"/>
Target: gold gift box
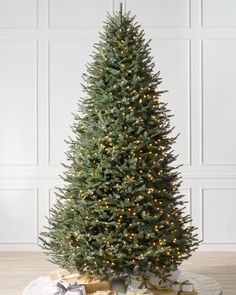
<point x="163" y="292"/>
<point x="187" y="293"/>
<point x="92" y="283"/>
<point x="62" y="274"/>
<point x="110" y="292"/>
<point x="153" y="291"/>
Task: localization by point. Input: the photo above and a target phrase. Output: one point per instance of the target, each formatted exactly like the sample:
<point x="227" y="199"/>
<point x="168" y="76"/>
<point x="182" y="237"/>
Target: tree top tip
<point x="121" y="7"/>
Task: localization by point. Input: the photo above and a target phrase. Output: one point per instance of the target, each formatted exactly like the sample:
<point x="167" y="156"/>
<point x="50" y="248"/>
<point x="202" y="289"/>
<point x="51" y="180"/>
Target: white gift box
<point x="135" y="284"/>
<point x="72" y="293"/>
<point x="138" y="291"/>
<point x="176" y="287"/>
<point x="51" y="288"/>
<point x="187" y="287"/>
<point x="134" y="288"/>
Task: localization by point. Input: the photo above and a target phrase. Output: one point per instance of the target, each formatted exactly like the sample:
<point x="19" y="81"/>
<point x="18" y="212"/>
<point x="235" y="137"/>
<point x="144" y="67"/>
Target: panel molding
<point x="201" y="14"/>
<point x="189" y="97"/>
<point x="202" y="229"/>
<point x="189" y="197"/>
<point x="202" y="162"/>
<point x="189" y="163"/>
<point x="51" y="191"/>
<point x="36" y="12"/>
<point x="111" y="9"/>
<point x="35" y="190"/>
<point x="36" y="101"/>
<point x="187" y="26"/>
<point x="212" y="26"/>
<point x="76" y="40"/>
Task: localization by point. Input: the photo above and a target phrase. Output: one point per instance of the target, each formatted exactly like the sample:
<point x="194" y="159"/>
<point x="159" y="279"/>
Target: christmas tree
<point x="120" y="211"/>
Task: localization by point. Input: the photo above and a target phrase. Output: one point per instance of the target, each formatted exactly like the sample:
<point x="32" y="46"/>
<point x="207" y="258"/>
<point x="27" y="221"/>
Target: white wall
<point x="44" y="46"/>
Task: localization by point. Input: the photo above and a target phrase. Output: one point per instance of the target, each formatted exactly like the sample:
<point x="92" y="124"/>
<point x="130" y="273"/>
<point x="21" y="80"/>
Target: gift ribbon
<point x="147" y="284"/>
<point x="64" y="287"/>
<point x="87" y="278"/>
<point x="139" y="292"/>
<point x="109" y="292"/>
<point x="185" y="283"/>
<point x="90" y="278"/>
<point x="70" y="276"/>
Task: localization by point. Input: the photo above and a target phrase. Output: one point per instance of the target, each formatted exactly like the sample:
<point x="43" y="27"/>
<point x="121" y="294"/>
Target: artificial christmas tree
<point x="120" y="212"/>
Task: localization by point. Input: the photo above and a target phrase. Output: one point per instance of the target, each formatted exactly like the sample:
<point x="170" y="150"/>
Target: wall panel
<point x="18" y="98"/>
<point x="73" y="13"/>
<point x="44" y="46"/>
<point x="218" y="102"/>
<point x="170" y="57"/>
<point x="18" y="216"/>
<point x="188" y="200"/>
<point x="220" y="13"/>
<point x="67" y="64"/>
<point x="219" y="222"/>
<point x="18" y="14"/>
<point x="161" y="13"/>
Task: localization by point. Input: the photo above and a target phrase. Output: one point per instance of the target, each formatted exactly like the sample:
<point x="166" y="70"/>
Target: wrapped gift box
<point x="187" y="287"/>
<point x="163" y="292"/>
<point x="139" y="292"/>
<point x="135" y="284"/>
<point x="109" y="292"/>
<point x="92" y="283"/>
<point x="151" y="291"/>
<point x="65" y="275"/>
<point x="176" y="287"/>
<point x="188" y="293"/>
<point x="64" y="288"/>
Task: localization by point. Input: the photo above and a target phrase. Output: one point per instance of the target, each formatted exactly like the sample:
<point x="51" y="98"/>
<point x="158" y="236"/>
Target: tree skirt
<point x="202" y="284"/>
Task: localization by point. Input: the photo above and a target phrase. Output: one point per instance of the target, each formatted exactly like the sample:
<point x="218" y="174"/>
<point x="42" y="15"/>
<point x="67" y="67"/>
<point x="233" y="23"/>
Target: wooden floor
<point x="17" y="269"/>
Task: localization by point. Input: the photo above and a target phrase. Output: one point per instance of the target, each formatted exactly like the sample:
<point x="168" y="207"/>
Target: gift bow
<point x="87" y="278"/>
<point x="70" y="276"/>
<point x="148" y="284"/>
<point x="139" y="292"/>
<point x="64" y="287"/>
<point x="186" y="282"/>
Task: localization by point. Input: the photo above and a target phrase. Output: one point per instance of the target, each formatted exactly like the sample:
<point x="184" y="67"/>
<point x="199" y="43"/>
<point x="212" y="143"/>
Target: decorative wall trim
<point x="215" y="26"/>
<point x="50" y="192"/>
<point x="35" y="190"/>
<point x="188" y="25"/>
<point x="35" y="102"/>
<point x="25" y="27"/>
<point x="201" y="15"/>
<point x="75" y="27"/>
<point x="189" y="99"/>
<point x="202" y="228"/>
<point x="189" y="107"/>
<point x="203" y="162"/>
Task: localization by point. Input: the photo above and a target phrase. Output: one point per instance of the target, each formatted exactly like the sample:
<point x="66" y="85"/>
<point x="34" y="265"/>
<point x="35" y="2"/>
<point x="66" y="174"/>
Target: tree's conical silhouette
<point x="120" y="210"/>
